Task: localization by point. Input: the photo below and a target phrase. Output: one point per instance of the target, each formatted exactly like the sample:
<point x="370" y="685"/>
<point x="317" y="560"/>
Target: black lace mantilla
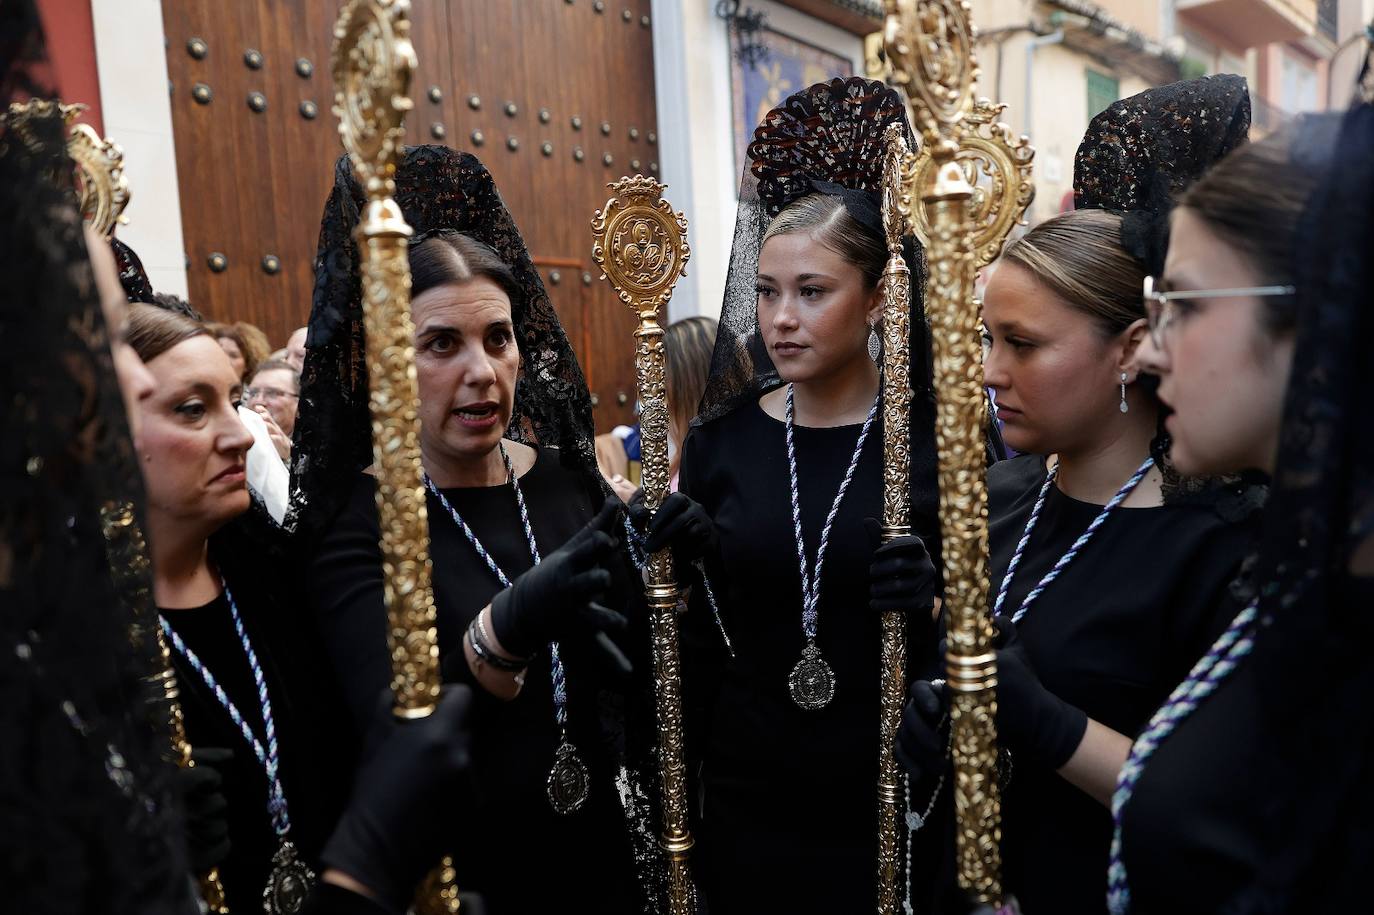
<point x="437" y="189"/>
<point x="86" y="818"/>
<point x="828" y="139"/>
<point x="1142" y="151"/>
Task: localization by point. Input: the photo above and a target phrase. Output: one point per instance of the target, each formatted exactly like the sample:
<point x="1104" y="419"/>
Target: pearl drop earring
<point x="1124" y="407"/>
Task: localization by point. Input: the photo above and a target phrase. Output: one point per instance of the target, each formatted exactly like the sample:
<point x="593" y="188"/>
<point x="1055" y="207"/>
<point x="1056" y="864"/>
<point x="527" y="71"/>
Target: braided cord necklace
<point x="290" y="877"/>
<point x="1207" y="674"/>
<point x="812" y="682"/>
<point x="1126" y="489"/>
<point x="569" y="783"/>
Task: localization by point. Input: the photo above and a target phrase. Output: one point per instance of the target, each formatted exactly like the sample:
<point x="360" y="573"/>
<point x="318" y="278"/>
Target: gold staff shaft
<point x="640" y="245"/>
<point x="130" y="565"/>
<point x="896" y="327"/>
<point x="960" y="420"/>
<point x="662" y="592"/>
<point x="211" y="887"/>
<point x="373" y="64"/>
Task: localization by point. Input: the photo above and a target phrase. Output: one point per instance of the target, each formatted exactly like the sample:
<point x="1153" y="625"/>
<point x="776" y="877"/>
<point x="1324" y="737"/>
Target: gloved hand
<point x="679" y="523"/>
<point x="901" y="576"/>
<point x="402" y="806"/>
<point x="921" y="744"/>
<point x="1031" y="720"/>
<point x="202" y="799"/>
<point x="557" y="599"/>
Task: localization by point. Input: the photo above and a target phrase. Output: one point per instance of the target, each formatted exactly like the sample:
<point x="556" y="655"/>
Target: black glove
<point x="901" y="576"/>
<point x="402" y="807"/>
<point x="679" y="523"/>
<point x="921" y="745"/>
<point x="202" y="799"/>
<point x="556" y="600"/>
<point x="1031" y="720"/>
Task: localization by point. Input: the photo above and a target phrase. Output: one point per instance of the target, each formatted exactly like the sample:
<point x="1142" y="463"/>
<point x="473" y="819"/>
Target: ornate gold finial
<point x="373" y="65"/>
<point x="102" y="189"/>
<point x="998" y="166"/>
<point x="641" y="246"/>
<point x="896" y="331"/>
<point x="100" y="177"/>
<point x="963" y="222"/>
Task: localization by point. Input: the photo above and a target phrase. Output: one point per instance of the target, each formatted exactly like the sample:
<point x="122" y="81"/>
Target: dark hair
<point x="450" y="257"/>
<point x="1253" y="200"/>
<point x="177" y="304"/>
<point x="1079" y="257"/>
<point x="152" y="329"/>
<point x="825" y="218"/>
<point x="277" y="365"/>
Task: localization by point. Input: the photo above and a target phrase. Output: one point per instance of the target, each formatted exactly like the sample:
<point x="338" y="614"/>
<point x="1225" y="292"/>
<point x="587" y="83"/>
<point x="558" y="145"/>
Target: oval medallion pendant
<point x="289" y="882"/>
<point x="569" y="783"/>
<point x="812" y="682"/>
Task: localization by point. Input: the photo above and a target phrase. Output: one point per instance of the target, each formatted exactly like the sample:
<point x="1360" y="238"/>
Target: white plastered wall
<point x="131" y="60"/>
<point x="692" y="69"/>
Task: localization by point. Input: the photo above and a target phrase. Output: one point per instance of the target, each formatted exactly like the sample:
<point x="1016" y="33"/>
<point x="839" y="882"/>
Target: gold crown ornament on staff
<point x="929" y="46"/>
<point x="102" y="189"/>
<point x="373" y="63"/>
<point x="641" y="246"/>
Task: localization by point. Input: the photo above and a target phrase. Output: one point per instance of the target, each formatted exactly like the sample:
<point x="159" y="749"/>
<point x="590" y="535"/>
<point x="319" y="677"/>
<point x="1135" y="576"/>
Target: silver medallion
<point x="569" y="783"/>
<point x="812" y="682"/>
<point x="289" y="882"/>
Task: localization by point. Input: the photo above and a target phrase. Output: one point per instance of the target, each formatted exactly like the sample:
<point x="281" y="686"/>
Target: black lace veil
<point x="1316" y="614"/>
<point x="827" y="138"/>
<point x="86" y="815"/>
<point x="438" y="189"/>
<point x="1140" y="152"/>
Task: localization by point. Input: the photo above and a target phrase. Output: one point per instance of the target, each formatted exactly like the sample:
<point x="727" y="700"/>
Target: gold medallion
<point x="812" y="682"/>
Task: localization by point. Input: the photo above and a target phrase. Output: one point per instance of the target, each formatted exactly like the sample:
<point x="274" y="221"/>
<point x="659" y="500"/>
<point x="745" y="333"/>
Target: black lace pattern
<point x="88" y="819"/>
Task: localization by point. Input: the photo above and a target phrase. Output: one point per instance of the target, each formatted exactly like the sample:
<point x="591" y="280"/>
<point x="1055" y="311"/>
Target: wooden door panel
<point x="253" y="182"/>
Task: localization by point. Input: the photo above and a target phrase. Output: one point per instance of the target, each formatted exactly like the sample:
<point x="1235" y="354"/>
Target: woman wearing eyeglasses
<point x="1253" y="779"/>
<point x="1106" y="568"/>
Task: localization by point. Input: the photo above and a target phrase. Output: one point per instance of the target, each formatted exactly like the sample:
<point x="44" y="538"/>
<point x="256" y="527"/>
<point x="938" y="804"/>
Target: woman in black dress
<point x="254" y="692"/>
<point x="524" y="545"/>
<point x="1105" y="568"/>
<point x="786" y="459"/>
<point x="1249" y="791"/>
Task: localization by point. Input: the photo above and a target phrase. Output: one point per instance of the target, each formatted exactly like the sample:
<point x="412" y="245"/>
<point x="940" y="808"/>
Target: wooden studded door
<point x="555" y="96"/>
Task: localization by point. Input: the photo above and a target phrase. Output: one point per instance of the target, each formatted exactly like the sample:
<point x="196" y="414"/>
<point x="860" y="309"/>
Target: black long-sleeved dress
<point x="1260" y="800"/>
<point x="510" y="847"/>
<point x="316" y="758"/>
<point x="788" y="797"/>
<point x="1113" y="634"/>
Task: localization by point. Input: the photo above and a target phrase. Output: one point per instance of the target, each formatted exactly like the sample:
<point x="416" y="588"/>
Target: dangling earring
<point x="1124" y="408"/>
<point x="875" y="345"/>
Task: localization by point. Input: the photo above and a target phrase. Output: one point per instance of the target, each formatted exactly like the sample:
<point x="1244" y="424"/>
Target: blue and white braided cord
<point x="560" y="680"/>
<point x="268" y="758"/>
<point x="1126" y="489"/>
<point x="811" y="585"/>
<point x="1207" y="674"/>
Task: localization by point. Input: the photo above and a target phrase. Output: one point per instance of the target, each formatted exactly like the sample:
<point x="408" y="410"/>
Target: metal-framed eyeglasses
<point x="265" y="393"/>
<point x="1160" y="309"/>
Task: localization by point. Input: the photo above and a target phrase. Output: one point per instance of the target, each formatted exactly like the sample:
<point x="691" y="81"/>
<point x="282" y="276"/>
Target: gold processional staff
<point x="373" y="63"/>
<point x="963" y="223"/>
<point x="641" y="246"/>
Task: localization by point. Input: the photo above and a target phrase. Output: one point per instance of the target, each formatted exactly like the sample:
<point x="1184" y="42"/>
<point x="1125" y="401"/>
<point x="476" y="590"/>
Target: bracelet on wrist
<point x="484" y="652"/>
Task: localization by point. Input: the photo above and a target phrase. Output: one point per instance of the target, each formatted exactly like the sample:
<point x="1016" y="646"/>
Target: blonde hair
<point x="824" y="218"/>
<point x="1079" y="257"/>
<point x="688" y="345"/>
